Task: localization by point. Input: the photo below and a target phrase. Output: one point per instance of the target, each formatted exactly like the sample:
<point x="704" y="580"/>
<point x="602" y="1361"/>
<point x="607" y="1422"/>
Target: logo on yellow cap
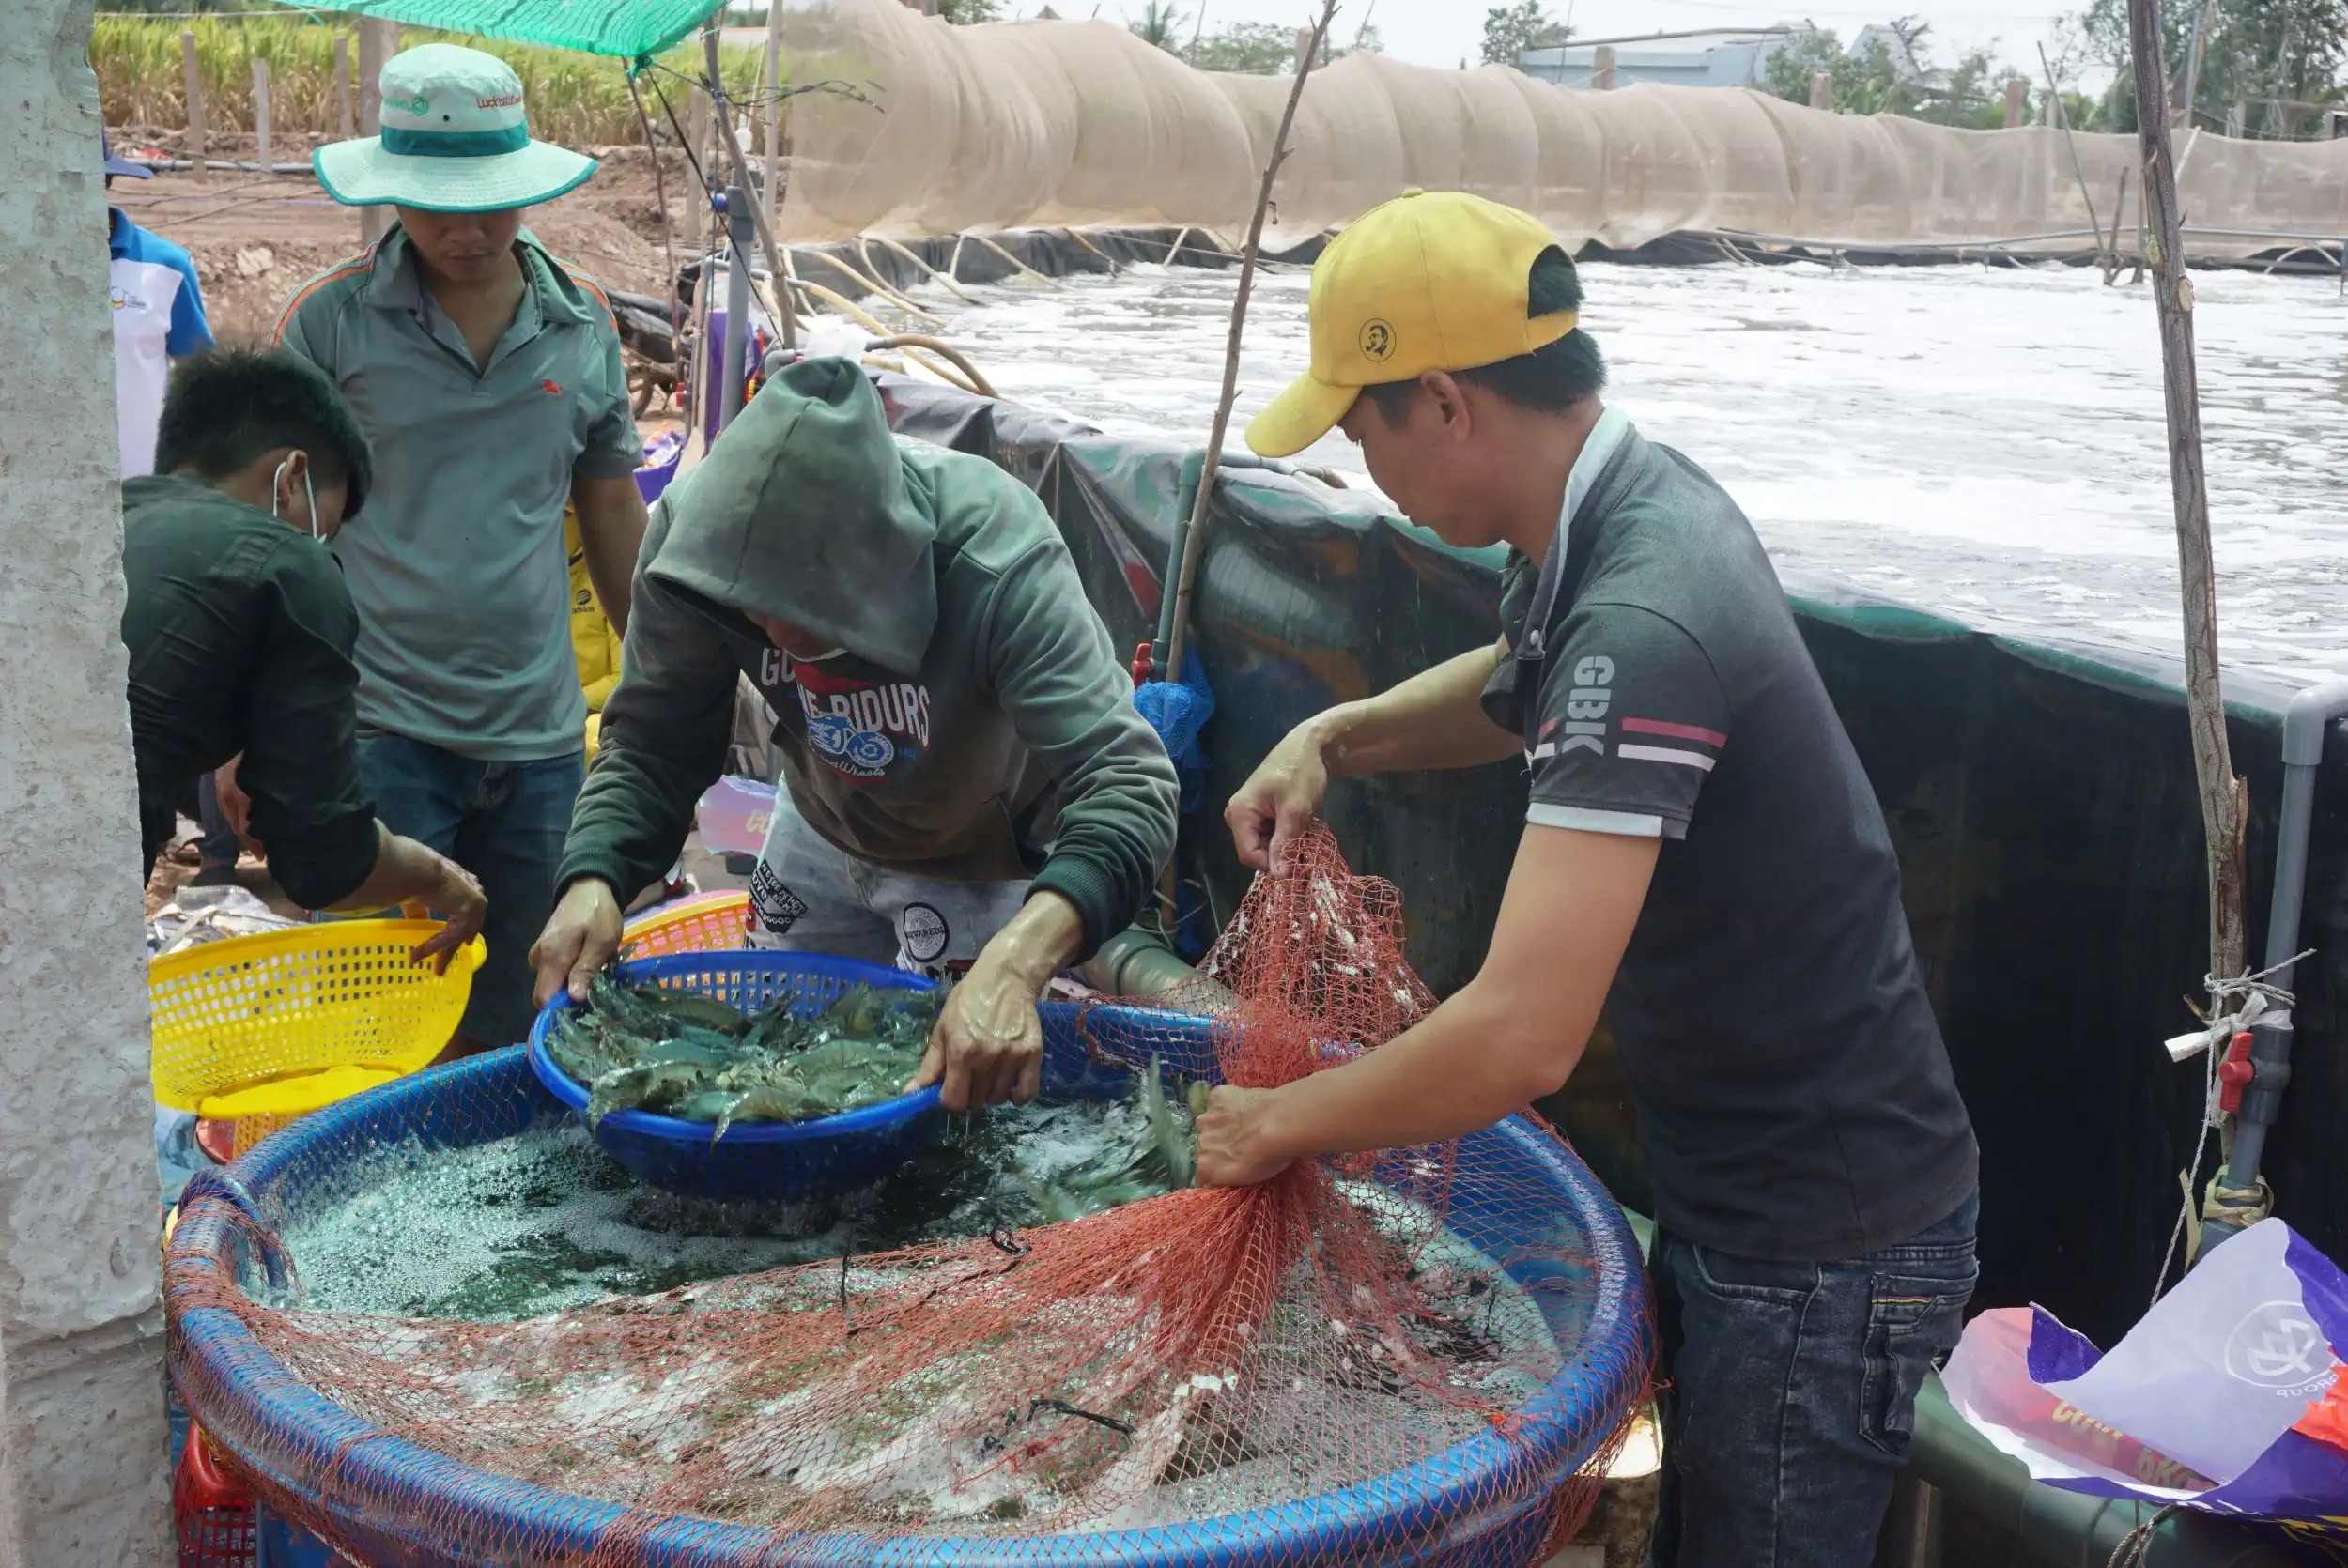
<point x="1377" y="342"/>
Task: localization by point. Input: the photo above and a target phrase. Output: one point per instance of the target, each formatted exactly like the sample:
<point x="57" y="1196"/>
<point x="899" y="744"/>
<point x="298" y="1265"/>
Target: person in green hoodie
<point x="965" y="777"/>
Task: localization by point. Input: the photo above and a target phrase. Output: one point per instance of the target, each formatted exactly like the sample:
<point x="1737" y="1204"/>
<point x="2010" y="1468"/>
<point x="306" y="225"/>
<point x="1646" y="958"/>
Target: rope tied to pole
<point x="2238" y="1207"/>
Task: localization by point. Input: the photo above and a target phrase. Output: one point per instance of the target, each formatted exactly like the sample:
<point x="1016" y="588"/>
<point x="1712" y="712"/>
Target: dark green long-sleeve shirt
<point x="239" y="631"/>
<point x="977" y="726"/>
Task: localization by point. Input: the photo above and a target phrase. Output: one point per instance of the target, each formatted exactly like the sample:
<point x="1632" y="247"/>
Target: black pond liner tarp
<point x="2042" y="799"/>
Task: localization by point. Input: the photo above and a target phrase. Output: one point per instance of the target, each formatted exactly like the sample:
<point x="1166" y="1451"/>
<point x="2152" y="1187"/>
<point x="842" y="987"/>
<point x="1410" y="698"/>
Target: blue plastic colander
<point x="755" y="1159"/>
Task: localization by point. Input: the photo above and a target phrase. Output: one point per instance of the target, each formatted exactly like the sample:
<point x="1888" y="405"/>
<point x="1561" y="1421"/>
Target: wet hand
<point x="580" y="938"/>
<point x="988" y="1045"/>
<point x="235" y="805"/>
<point x="1234" y="1146"/>
<point x="462" y="907"/>
<point x="1279" y="799"/>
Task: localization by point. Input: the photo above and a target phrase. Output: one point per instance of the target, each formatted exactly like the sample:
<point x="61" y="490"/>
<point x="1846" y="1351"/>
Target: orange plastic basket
<point x="713" y="923"/>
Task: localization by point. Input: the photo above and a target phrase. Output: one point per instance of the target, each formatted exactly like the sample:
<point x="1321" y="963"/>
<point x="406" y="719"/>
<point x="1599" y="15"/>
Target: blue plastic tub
<point x="1439" y="1511"/>
<point x="755" y="1159"/>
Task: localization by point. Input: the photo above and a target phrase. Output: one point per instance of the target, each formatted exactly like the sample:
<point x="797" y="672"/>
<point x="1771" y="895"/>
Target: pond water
<point x="1989" y="442"/>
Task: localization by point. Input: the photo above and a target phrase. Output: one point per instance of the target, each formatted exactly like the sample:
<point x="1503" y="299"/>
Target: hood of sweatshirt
<point x="800" y="512"/>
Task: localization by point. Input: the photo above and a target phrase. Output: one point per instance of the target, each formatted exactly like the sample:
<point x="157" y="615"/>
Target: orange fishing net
<point x="1408" y="1356"/>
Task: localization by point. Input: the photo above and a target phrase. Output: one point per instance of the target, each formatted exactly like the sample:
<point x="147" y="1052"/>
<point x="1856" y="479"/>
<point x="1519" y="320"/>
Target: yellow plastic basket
<point x="281" y="1023"/>
<point x="713" y="923"/>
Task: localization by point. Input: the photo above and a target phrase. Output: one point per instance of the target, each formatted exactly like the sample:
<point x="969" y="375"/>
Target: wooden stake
<point x="2223" y="806"/>
<point x="775" y="104"/>
<point x="2054" y="101"/>
<point x="2119" y="213"/>
<point x="260" y="116"/>
<point x="378" y="40"/>
<point x="344" y="126"/>
<point x="1822" y="90"/>
<point x="194" y="70"/>
<point x="1179" y="638"/>
<point x="2016" y="101"/>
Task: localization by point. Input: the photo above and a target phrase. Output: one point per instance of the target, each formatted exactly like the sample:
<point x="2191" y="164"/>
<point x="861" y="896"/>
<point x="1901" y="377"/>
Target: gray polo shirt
<point x="457" y="564"/>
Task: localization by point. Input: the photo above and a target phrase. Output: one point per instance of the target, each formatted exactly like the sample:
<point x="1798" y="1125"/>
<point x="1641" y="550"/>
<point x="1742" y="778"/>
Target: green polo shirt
<point x="457" y="563"/>
<point x="240" y="631"/>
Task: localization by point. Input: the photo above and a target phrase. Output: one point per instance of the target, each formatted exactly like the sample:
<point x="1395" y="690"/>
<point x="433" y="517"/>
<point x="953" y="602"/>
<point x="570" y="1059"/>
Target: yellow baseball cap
<point x="1432" y="280"/>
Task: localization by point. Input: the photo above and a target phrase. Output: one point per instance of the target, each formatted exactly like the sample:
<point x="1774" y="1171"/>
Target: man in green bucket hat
<point x="486" y="374"/>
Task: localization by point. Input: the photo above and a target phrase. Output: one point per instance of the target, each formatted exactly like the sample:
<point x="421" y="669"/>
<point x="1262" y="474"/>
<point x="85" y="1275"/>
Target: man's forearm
<point x="1432" y="720"/>
<point x="1040" y="940"/>
<point x="611" y="533"/>
<point x="1464" y="1066"/>
<point x="403" y="870"/>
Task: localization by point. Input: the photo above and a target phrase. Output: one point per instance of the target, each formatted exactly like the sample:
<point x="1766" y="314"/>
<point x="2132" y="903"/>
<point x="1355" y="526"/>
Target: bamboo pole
<point x="777" y="262"/>
<point x="260" y="116"/>
<point x="194" y="75"/>
<point x="1194" y="528"/>
<point x="344" y="126"/>
<point x="2223" y="806"/>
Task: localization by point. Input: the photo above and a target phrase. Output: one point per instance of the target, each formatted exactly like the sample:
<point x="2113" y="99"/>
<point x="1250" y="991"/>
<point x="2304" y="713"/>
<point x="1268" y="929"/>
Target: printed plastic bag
<point x="2227" y="1396"/>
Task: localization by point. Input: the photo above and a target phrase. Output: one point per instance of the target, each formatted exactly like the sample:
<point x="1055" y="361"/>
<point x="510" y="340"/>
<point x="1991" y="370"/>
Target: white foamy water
<point x="1985" y="442"/>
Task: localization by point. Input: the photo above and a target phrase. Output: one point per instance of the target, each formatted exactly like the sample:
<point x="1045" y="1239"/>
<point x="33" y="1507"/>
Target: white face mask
<point x="309" y="495"/>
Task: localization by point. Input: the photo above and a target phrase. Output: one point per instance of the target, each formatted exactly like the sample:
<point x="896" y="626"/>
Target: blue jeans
<point x="218" y="847"/>
<point x="1793" y="1394"/>
<point x="505" y="823"/>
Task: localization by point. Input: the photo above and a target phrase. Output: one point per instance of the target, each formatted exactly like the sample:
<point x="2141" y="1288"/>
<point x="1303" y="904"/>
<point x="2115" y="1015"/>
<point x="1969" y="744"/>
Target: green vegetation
<point x="1510" y="30"/>
<point x="1895" y="75"/>
<point x="2273" y="65"/>
<point x="1246" y="48"/>
<point x="581" y="99"/>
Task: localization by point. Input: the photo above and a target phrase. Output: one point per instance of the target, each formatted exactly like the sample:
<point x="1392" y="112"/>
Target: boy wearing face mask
<point x="239" y="633"/>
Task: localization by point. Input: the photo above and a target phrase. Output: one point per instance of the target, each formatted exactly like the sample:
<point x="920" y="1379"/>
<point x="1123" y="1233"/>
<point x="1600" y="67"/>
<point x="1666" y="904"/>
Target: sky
<point x="1442" y="32"/>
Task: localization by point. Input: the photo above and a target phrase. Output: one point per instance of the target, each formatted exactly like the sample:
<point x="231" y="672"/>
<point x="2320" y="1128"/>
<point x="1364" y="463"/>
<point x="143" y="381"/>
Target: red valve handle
<point x="2234" y="1073"/>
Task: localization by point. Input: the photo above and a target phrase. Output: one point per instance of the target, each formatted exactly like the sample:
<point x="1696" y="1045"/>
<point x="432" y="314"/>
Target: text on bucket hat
<point x="1433" y="279"/>
<point x="454" y="138"/>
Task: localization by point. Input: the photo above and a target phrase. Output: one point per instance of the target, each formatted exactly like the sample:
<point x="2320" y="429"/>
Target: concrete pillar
<point x="83" y="1468"/>
<point x="1821" y="89"/>
<point x="1602" y="67"/>
<point x="2016" y="101"/>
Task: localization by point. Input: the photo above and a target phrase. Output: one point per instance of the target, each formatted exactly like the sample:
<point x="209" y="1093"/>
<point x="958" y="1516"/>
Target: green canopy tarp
<point x="628" y="29"/>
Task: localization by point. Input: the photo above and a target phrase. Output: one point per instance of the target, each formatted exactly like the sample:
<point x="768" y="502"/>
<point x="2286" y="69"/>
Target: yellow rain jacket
<point x="594" y="643"/>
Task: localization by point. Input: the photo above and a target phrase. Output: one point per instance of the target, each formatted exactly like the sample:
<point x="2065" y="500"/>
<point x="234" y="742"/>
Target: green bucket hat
<point x="454" y="139"/>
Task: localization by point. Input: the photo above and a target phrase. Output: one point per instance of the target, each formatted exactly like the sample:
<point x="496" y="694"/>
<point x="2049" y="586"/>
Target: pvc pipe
<point x="739" y="235"/>
<point x="2305" y="721"/>
<point x="2053" y="1526"/>
<point x="1137" y="963"/>
<point x="1193" y="463"/>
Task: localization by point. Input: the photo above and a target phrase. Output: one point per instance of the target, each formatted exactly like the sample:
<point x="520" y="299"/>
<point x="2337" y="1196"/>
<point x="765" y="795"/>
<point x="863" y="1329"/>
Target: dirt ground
<point x="257" y="237"/>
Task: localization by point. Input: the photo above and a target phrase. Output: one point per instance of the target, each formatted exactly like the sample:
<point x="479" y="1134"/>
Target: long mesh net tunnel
<point x="931" y="129"/>
<point x="1413" y="1357"/>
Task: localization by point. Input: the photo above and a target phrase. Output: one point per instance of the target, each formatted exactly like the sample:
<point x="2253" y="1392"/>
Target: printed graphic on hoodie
<point x="859" y="728"/>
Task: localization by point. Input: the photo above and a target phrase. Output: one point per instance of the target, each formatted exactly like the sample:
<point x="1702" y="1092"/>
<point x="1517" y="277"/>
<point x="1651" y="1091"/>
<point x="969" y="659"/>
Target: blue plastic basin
<point x="399" y="1502"/>
<point x="755" y="1159"/>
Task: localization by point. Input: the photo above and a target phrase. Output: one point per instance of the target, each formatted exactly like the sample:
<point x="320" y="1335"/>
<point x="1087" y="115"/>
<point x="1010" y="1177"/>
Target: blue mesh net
<point x="1177" y="710"/>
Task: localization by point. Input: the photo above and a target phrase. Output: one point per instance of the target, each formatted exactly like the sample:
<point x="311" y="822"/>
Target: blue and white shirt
<point x="159" y="318"/>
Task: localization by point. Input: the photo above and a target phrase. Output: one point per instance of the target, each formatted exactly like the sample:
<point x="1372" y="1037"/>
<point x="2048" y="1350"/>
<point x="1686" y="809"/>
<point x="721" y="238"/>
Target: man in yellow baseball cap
<point x="1701" y="854"/>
